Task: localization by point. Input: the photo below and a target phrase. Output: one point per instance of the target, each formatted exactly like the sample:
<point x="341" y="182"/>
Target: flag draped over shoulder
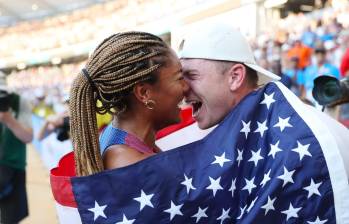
<point x="261" y="164"/>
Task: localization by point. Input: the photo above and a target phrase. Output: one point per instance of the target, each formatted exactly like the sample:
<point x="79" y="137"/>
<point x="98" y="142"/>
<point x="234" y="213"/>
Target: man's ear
<point x="142" y="92"/>
<point x="236" y="74"/>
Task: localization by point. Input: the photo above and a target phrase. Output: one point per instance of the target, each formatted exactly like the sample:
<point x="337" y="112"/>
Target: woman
<point x="138" y="79"/>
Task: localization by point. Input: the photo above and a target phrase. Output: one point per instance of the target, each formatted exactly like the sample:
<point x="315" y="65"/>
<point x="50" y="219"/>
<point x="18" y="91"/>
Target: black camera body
<point x="5" y="101"/>
<point x="63" y="131"/>
<point x="329" y="91"/>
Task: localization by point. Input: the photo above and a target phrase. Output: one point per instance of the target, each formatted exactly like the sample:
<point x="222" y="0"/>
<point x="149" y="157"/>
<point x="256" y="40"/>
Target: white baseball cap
<point x="222" y="42"/>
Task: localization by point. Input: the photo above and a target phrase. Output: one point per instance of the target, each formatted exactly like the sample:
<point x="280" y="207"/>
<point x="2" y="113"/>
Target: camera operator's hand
<point x="23" y="133"/>
<point x="5" y="117"/>
<point x="52" y="122"/>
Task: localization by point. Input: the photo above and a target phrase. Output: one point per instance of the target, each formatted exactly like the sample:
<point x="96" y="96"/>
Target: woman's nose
<point x="185" y="86"/>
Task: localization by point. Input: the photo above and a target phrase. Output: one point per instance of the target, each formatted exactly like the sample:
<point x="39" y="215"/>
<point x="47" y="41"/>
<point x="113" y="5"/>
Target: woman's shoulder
<point x="121" y="155"/>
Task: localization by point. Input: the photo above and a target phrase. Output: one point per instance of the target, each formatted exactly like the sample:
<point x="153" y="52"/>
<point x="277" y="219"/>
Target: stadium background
<point x="44" y="43"/>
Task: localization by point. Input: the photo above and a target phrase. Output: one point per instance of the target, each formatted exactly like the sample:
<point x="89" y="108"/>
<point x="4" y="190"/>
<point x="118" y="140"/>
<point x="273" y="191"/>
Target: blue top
<point x="115" y="136"/>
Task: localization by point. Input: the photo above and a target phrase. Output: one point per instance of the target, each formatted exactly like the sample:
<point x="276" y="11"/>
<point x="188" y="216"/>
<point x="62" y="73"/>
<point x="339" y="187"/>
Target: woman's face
<point x="168" y="92"/>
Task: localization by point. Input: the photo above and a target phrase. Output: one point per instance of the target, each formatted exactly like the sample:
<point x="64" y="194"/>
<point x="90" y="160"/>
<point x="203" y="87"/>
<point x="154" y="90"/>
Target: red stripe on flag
<point x="186" y="120"/>
<point x="61" y="183"/>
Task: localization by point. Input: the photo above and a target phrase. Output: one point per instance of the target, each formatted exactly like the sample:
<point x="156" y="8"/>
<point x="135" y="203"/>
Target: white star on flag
<point x="313" y="188"/>
<point x="188" y="183"/>
<point x="224" y="216"/>
<point x="174" y="210"/>
<point x="291" y="212"/>
<point x="302" y="150"/>
<point x="249" y="185"/>
<point x="269" y="205"/>
<point x="239" y="158"/>
<point x="126" y="221"/>
<point x="274" y="149"/>
<point x="283" y="123"/>
<point x="98" y="211"/>
<point x="256" y="156"/>
<point x="233" y="187"/>
<point x="215" y="186"/>
<point x="252" y="204"/>
<point x="268" y="99"/>
<point x="266" y="178"/>
<point x="318" y="221"/>
<point x="286" y="177"/>
<point x="144" y="200"/>
<point x="246" y="129"/>
<point x="242" y="211"/>
<point x="200" y="214"/>
<point x="262" y="127"/>
<point x="221" y="160"/>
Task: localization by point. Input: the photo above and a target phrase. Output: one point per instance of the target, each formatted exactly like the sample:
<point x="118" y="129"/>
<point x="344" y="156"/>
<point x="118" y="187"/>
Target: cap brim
<point x="264" y="76"/>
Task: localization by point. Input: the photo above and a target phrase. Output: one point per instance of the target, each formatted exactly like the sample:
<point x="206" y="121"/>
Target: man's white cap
<point x="3" y="83"/>
<point x="222" y="42"/>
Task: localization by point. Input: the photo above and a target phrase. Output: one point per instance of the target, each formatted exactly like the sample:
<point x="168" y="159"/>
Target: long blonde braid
<point x="117" y="64"/>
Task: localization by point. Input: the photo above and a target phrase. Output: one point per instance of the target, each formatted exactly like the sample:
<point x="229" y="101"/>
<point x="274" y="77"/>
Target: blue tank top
<point x="115" y="136"/>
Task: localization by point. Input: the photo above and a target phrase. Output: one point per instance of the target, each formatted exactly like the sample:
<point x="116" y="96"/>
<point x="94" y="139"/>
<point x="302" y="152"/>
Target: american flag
<point x="261" y="164"/>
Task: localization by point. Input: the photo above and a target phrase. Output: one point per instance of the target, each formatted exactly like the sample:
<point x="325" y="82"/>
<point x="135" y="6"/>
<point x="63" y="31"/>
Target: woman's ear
<point x="236" y="75"/>
<point x="142" y="92"/>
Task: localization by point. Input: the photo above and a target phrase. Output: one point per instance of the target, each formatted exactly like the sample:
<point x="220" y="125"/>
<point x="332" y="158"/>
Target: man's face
<point x="208" y="91"/>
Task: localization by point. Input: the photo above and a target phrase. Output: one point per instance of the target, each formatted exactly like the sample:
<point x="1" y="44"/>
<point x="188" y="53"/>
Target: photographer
<point x="56" y="123"/>
<point x="15" y="132"/>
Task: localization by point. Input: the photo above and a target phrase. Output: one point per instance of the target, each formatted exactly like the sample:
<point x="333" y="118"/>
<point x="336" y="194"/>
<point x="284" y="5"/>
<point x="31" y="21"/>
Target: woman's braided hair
<point x="117" y="64"/>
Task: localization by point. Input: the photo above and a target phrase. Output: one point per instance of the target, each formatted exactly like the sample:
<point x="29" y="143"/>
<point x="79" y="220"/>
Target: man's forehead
<point x="195" y="63"/>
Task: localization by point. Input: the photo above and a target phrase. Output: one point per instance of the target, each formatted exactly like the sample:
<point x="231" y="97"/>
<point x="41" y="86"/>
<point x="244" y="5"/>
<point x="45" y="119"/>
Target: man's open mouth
<point x="196" y="105"/>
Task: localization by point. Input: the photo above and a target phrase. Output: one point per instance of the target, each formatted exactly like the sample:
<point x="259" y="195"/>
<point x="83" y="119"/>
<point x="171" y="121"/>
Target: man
<point x="322" y="67"/>
<point x="15" y="132"/>
<point x="222" y="74"/>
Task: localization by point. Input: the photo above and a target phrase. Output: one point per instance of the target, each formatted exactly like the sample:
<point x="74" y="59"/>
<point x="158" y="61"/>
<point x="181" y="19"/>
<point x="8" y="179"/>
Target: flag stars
<point x="274" y="149"/>
<point x="283" y="123"/>
<point x="291" y="212"/>
<point x="188" y="183"/>
<point x="233" y="187"/>
<point x="286" y="176"/>
<point x="251" y="205"/>
<point x="200" y="214"/>
<point x="269" y="205"/>
<point x="313" y="188"/>
<point x="262" y="127"/>
<point x="221" y="160"/>
<point x="98" y="211"/>
<point x="215" y="186"/>
<point x="144" y="200"/>
<point x="268" y="99"/>
<point x="246" y="129"/>
<point x="249" y="185"/>
<point x="126" y="221"/>
<point x="174" y="210"/>
<point x="302" y="150"/>
<point x="318" y="221"/>
<point x="224" y="216"/>
<point x="256" y="156"/>
<point x="242" y="212"/>
<point x="239" y="158"/>
<point x="266" y="178"/>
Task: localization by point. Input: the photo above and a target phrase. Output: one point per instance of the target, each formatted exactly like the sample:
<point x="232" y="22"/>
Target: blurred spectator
<point x="15" y="132"/>
<point x="296" y="76"/>
<point x="344" y="65"/>
<point x="321" y="67"/>
<point x="302" y="52"/>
